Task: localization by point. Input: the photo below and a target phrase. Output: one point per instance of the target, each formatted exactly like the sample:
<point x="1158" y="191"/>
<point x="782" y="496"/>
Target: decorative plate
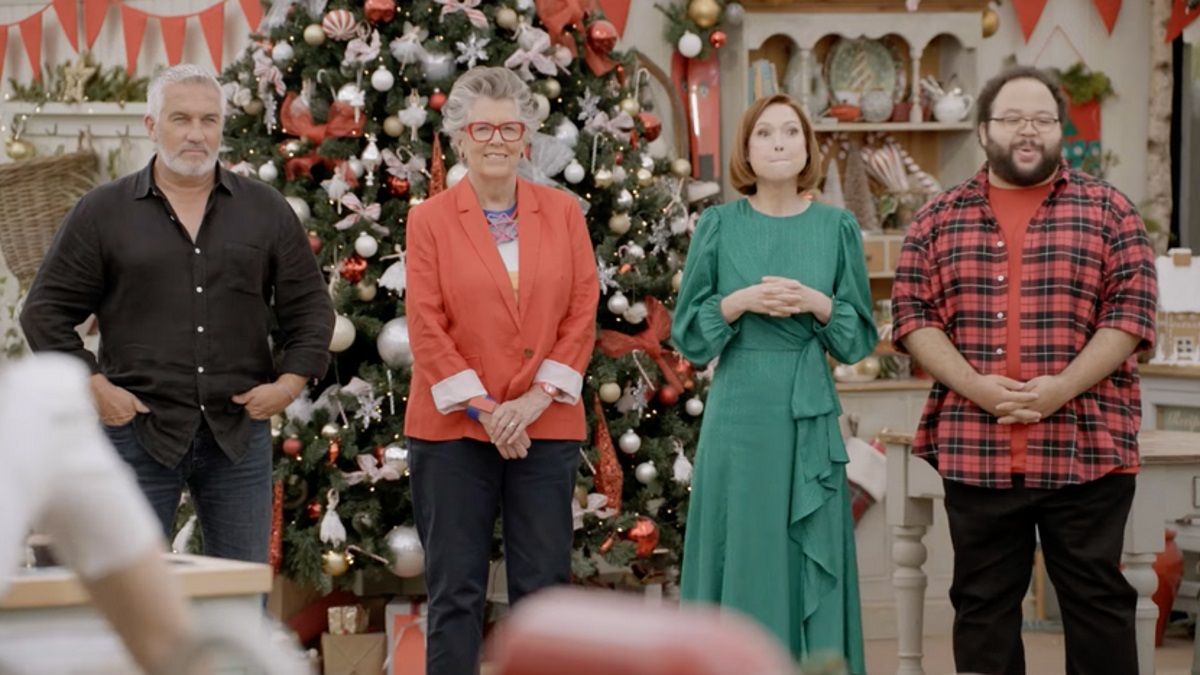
<point x="860" y="65"/>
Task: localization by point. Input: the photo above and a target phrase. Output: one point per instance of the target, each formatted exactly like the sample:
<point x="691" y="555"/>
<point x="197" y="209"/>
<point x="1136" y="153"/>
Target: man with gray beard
<point x="1026" y="292"/>
<point x="184" y="264"/>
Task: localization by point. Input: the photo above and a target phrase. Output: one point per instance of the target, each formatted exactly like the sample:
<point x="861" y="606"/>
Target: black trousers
<point x="1082" y="528"/>
<point x="457" y="489"/>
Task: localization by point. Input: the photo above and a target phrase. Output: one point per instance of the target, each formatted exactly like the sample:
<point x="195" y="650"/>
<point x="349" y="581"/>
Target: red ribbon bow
<point x="298" y="121"/>
<point x="658" y="328"/>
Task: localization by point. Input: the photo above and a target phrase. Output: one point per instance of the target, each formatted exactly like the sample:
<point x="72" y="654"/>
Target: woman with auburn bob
<point x="774" y="283"/>
<point x="501" y="302"/>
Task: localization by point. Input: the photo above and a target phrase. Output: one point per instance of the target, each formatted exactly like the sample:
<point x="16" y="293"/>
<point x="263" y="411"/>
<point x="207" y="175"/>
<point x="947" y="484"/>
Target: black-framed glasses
<point x="482" y="132"/>
<point x="1041" y="123"/>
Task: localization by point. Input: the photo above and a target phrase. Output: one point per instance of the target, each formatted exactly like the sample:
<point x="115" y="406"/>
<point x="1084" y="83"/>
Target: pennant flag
<point x="1181" y="16"/>
<point x="3" y="46"/>
<point x="173" y="30"/>
<point x="93" y="19"/>
<point x="1028" y="13"/>
<point x="31" y="35"/>
<point x="133" y="23"/>
<point x="68" y="18"/>
<point x="1109" y="9"/>
<point x="253" y="11"/>
<point x="617" y="11"/>
<point x="212" y="23"/>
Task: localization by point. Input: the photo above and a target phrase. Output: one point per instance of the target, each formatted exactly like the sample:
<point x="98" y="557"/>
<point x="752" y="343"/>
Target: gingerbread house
<point x="1178" y="308"/>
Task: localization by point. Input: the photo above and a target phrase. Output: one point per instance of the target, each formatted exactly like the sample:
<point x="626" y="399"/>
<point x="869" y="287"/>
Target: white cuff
<point x="453" y="393"/>
<point x="566" y="379"/>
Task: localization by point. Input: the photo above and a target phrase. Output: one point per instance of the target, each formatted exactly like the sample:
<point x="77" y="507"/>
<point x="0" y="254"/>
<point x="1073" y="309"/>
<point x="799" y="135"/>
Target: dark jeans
<point x="457" y="488"/>
<point x="232" y="501"/>
<point x="1082" y="529"/>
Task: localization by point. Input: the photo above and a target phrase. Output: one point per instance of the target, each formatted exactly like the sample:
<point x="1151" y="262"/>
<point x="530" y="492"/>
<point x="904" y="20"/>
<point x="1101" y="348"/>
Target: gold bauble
<point x="681" y="167"/>
<point x="705" y="13"/>
<point x="506" y="17"/>
<point x="619" y="223"/>
<point x="630" y="106"/>
<point x="365" y="290"/>
<point x="677" y="281"/>
<point x="254" y="107"/>
<point x="334" y="563"/>
<point x="19" y="149"/>
<point x="603" y="178"/>
<point x="991" y="22"/>
<point x="645" y="177"/>
<point x="314" y="34"/>
<point x="392" y="126"/>
<point x="551" y="88"/>
<point x="581" y="495"/>
<point x="330" y="430"/>
<point x="610" y="392"/>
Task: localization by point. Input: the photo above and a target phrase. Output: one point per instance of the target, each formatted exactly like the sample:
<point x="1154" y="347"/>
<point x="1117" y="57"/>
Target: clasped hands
<point x="1014" y="402"/>
<point x="507" y="424"/>
<point x="782" y="297"/>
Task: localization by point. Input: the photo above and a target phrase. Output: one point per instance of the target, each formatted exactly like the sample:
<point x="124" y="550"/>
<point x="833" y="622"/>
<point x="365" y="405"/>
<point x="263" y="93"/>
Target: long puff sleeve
<point x="850" y="335"/>
<point x="699" y="330"/>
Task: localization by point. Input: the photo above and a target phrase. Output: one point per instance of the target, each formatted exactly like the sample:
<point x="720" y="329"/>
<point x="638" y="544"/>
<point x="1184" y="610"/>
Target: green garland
<point x="1084" y="85"/>
<point x="109" y="85"/>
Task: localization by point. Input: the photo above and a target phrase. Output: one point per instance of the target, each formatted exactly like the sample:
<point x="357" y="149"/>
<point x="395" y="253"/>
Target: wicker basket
<point x="35" y="196"/>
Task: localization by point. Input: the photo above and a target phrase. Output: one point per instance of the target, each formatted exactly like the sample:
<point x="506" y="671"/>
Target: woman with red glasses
<point x="501" y="303"/>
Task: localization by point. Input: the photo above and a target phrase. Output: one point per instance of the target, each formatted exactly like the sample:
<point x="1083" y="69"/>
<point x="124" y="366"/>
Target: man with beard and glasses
<point x="1025" y="292"/>
<point x="186" y="265"/>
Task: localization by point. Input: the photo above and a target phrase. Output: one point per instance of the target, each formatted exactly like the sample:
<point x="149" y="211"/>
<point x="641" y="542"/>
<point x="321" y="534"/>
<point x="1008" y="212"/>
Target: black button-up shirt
<point x="184" y="325"/>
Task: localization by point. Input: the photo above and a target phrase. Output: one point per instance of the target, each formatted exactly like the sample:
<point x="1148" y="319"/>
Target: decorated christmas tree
<point x="337" y="105"/>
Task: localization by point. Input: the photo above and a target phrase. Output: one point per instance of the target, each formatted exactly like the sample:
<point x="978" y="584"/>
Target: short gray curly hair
<point x="486" y="82"/>
<point x="184" y="73"/>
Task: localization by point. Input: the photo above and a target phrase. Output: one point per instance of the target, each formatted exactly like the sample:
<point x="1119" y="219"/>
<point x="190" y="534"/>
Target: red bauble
<point x="620" y="75"/>
<point x="334" y="451"/>
<point x="717" y="39"/>
<point x="668" y="395"/>
<point x="314" y="242"/>
<point x="651" y="124"/>
<point x="379" y="11"/>
<point x="437" y="99"/>
<point x="644" y="535"/>
<point x="314" y="510"/>
<point x="379" y="454"/>
<point x="292" y="447"/>
<point x="602" y="36"/>
<point x="353" y="268"/>
<point x="398" y="186"/>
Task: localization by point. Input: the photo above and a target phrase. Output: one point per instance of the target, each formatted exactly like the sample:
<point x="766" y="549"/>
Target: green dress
<point x="769" y="530"/>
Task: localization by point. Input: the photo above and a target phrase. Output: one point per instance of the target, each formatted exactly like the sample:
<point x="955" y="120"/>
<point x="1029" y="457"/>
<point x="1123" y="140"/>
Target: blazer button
<point x="529" y="353"/>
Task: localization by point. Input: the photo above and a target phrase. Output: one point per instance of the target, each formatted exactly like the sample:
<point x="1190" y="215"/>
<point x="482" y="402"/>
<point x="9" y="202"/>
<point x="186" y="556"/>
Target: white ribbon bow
<point x="597" y="505"/>
<point x="413" y="169"/>
<point x="618" y="126"/>
<point x="534" y="56"/>
<point x="358" y="211"/>
<point x="371" y="471"/>
<point x="468" y="7"/>
<point x="243" y="168"/>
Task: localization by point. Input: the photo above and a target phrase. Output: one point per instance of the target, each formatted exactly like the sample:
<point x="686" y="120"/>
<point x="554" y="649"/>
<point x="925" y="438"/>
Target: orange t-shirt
<point x="1014" y="208"/>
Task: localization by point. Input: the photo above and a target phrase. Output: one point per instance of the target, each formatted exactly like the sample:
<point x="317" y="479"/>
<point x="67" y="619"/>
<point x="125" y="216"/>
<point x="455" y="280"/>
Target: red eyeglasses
<point x="482" y="132"/>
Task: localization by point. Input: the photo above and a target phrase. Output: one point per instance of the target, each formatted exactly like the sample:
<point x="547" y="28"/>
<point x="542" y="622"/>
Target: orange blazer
<point x="467" y="326"/>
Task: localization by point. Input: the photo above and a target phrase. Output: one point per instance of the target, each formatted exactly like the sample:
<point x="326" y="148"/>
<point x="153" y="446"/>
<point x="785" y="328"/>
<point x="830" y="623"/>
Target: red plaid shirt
<point x="1087" y="265"/>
